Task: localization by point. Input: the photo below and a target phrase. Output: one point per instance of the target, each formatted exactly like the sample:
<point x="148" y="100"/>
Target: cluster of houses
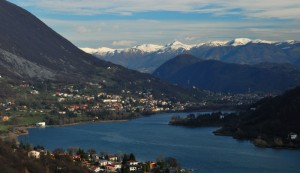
<point x="107" y="163"/>
<point x="144" y="101"/>
<point x="91" y="98"/>
<point x="240" y="98"/>
<point x="88" y="100"/>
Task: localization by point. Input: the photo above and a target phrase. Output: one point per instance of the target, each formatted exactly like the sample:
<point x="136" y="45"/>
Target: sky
<point x="126" y="23"/>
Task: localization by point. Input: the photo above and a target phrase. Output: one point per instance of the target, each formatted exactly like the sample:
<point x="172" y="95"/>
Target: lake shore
<point x="262" y="142"/>
<point x="13" y="134"/>
<point x="150" y="137"/>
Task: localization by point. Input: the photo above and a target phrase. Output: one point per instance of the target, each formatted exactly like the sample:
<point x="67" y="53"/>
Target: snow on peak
<point x="148" y="47"/>
<point x="106" y="49"/>
<point x="239" y="42"/>
<point x="291" y="41"/>
<point x="214" y="43"/>
<point x="177" y="45"/>
<point x="100" y="51"/>
<point x="263" y="41"/>
<point x="89" y="50"/>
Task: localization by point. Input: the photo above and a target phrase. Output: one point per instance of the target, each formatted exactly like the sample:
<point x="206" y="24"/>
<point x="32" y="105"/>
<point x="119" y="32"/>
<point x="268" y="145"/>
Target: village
<point x="103" y="162"/>
<point x="89" y="102"/>
<point x="70" y="104"/>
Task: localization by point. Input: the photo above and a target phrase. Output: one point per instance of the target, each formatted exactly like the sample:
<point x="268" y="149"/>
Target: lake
<point x="150" y="137"/>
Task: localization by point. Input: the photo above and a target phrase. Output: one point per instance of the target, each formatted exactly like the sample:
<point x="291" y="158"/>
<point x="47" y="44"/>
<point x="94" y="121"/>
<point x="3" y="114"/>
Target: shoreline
<point x="85" y="122"/>
<point x="12" y="135"/>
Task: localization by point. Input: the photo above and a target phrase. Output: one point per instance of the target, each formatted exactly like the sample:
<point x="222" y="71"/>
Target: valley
<point x="58" y="91"/>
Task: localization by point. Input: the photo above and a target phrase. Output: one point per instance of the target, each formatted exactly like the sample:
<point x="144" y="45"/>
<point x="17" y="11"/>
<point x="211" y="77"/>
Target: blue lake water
<point x="150" y="137"/>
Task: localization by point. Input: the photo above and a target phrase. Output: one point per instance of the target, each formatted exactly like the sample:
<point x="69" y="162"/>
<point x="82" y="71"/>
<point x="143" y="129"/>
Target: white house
<point x="293" y="136"/>
<point x="34" y="154"/>
<point x="112" y="158"/>
<point x="110" y="100"/>
<point x="103" y="162"/>
<point x="41" y="124"/>
<point x="117" y="165"/>
<point x="132" y="168"/>
<point x="34" y="92"/>
<point x="132" y="163"/>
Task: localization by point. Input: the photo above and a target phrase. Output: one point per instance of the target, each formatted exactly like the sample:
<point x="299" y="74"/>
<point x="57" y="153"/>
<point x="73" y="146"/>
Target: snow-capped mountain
<point x="101" y="51"/>
<point x="239" y="42"/>
<point x="148" y="47"/>
<point x="178" y="45"/>
<point x="144" y="48"/>
<point x="147" y="57"/>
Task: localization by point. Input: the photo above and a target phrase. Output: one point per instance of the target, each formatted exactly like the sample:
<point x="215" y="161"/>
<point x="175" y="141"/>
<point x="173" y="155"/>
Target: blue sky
<point x="126" y="23"/>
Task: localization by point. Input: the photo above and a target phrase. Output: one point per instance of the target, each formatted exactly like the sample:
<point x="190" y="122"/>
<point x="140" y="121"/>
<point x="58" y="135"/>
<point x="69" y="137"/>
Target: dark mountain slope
<point x="271" y="123"/>
<point x="225" y="77"/>
<point x="32" y="49"/>
<point x="256" y="53"/>
<point x="174" y="65"/>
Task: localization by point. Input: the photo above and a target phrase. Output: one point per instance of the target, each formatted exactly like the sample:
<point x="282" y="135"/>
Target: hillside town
<point x="67" y="104"/>
<point x="104" y="162"/>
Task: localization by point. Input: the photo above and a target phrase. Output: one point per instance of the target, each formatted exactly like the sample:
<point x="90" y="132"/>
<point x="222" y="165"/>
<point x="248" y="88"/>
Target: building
<point x="293" y="136"/>
<point x="112" y="158"/>
<point x="95" y="157"/>
<point x="95" y="169"/>
<point x="132" y="163"/>
<point x="103" y="162"/>
<point x="152" y="165"/>
<point x="41" y="124"/>
<point x="110" y="168"/>
<point x="34" y="154"/>
<point x="132" y="168"/>
<point x="117" y="165"/>
<point x="5" y="118"/>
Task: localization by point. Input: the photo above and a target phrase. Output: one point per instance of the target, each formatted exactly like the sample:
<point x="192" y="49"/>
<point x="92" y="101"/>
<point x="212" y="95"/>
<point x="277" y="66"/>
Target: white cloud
<point x="128" y="33"/>
<point x="267" y="19"/>
<point x="287" y="9"/>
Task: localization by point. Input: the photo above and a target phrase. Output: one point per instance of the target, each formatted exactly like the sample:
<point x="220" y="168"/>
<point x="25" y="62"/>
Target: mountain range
<point x="31" y="51"/>
<point x="218" y="76"/>
<point x="148" y="57"/>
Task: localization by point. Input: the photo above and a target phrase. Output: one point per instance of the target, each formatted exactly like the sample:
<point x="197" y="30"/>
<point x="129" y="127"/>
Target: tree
<point x="92" y="151"/>
<point x="172" y="162"/>
<point x="82" y="153"/>
<point x="132" y="157"/>
<point x="191" y="116"/>
<point x="146" y="167"/>
<point x="58" y="151"/>
<point x="72" y="150"/>
<point x="125" y="159"/>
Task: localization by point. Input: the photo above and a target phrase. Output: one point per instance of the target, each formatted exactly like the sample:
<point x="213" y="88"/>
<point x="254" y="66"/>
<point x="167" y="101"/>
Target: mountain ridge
<point x="228" y="77"/>
<point x="239" y="50"/>
<point x="234" y="42"/>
